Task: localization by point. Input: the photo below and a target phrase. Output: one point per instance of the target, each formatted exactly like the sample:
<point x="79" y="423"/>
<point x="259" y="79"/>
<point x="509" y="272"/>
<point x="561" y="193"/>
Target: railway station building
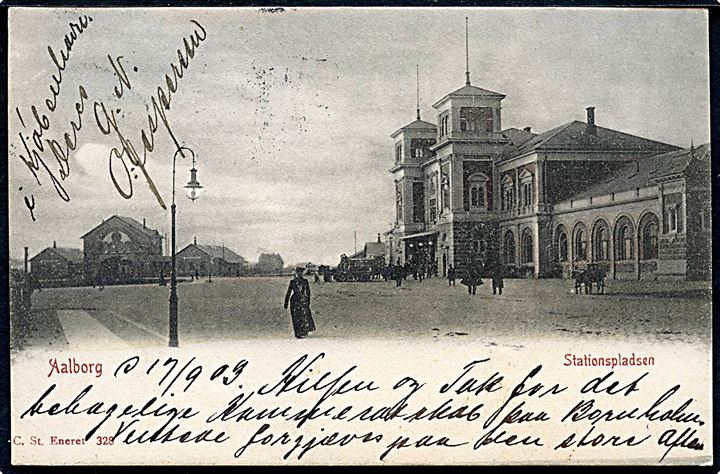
<point x="468" y="190"/>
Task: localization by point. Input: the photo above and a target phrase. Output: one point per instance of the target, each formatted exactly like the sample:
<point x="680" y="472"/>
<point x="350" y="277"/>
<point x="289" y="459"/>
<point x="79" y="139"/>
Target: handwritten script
<point x="314" y="405"/>
<point x="48" y="142"/>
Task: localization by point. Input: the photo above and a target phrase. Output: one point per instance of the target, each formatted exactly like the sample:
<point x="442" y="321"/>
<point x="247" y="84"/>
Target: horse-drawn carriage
<point x="358" y="269"/>
<point x="592" y="274"/>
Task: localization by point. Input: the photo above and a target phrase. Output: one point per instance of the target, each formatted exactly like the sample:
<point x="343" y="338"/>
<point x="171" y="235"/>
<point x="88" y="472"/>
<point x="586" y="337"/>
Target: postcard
<point x="374" y="236"/>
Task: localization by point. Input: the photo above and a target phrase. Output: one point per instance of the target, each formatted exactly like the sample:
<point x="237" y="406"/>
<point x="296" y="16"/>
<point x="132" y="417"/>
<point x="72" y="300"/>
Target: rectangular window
<point x="432" y="185"/>
<point x="433" y="209"/>
<point x="418" y="202"/>
<point x="527" y="194"/>
<point x="398" y="152"/>
<point x="672" y="219"/>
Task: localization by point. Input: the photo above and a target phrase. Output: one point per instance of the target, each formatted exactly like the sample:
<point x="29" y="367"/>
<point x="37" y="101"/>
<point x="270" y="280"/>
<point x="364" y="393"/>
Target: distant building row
<point x="123" y="250"/>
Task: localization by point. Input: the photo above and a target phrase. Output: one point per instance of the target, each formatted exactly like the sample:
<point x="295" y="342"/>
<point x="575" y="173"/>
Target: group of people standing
<point x="298" y="291"/>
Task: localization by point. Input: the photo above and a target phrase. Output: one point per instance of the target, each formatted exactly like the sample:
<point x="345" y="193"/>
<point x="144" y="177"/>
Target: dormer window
<point x="478" y="191"/>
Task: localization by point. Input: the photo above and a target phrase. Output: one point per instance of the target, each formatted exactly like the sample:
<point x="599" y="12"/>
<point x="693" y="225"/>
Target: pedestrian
<point x="497" y="280"/>
<point x="472" y="278"/>
<point x="298" y="295"/>
<point x="398" y="276"/>
<point x="100" y="279"/>
<point x="451" y="276"/>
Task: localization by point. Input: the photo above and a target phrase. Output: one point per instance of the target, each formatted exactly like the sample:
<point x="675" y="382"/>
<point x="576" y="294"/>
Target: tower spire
<point x="417" y="81"/>
<point x="467" y="55"/>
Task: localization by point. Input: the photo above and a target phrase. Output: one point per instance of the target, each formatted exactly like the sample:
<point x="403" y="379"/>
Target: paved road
<point x="237" y="309"/>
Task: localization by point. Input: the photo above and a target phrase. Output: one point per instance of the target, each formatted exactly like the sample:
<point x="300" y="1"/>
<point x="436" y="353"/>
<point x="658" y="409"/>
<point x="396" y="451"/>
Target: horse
<point x="592" y="274"/>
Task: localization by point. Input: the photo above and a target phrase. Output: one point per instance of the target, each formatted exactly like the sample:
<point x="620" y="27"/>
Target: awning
<point x="420" y="234"/>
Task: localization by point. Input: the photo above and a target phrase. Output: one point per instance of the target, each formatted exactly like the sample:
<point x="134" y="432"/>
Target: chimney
<point x="26" y="260"/>
<point x="194" y="240"/>
<point x="591" y="129"/>
<point x="378" y="237"/>
<point x="528" y="129"/>
<point x="54" y="244"/>
<point x="143" y="223"/>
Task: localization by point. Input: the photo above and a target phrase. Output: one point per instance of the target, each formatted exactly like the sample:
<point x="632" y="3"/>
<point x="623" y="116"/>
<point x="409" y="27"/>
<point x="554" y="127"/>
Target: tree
<point x="269" y="263"/>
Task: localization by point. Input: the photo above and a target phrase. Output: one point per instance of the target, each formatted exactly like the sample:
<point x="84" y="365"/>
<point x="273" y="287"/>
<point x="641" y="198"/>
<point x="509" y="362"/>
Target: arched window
<point x="649" y="237"/>
<point x="527" y="247"/>
<point x="508" y="193"/>
<point x="562" y="247"/>
<point x="624" y="240"/>
<point x="650" y="241"/>
<point x="526" y="186"/>
<point x="626" y="252"/>
<point x="445" y="186"/>
<point x="602" y="244"/>
<point x="509" y="248"/>
<point x="477" y="195"/>
<point x="478" y="191"/>
<point x="580" y="245"/>
<point x="399" y="203"/>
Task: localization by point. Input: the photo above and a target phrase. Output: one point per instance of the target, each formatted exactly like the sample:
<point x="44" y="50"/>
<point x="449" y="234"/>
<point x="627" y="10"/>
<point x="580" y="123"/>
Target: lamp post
<point x="193" y="190"/>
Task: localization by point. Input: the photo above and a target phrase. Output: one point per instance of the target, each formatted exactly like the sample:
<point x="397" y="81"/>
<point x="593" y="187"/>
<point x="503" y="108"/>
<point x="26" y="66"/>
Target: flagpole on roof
<point x="467" y="55"/>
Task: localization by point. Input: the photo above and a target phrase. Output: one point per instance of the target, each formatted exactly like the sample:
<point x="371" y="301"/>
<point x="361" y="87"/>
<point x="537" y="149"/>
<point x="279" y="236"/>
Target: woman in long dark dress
<point x="298" y="295"/>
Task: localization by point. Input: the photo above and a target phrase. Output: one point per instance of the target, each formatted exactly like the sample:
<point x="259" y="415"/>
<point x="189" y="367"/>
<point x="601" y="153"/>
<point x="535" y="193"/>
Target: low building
<point x="121" y="250"/>
<point x="58" y="265"/>
<point x="371" y="250"/>
<point x="204" y="260"/>
<point x="650" y="219"/>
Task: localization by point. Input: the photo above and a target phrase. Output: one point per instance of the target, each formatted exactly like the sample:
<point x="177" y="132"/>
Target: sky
<point x="290" y="113"/>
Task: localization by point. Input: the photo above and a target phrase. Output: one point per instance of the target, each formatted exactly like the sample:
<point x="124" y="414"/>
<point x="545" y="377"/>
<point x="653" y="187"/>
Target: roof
<point x="416" y="125"/>
<point x="128" y="221"/>
<point x="471" y="91"/>
<point x="70" y="254"/>
<point x="573" y="136"/>
<point x="218" y="251"/>
<point x="374" y="248"/>
<point x="371" y="249"/>
<point x="517" y="136"/>
<point x="644" y="171"/>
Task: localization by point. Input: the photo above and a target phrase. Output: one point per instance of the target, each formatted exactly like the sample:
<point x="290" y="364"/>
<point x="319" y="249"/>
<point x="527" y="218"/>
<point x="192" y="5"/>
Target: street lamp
<point x="193" y="190"/>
